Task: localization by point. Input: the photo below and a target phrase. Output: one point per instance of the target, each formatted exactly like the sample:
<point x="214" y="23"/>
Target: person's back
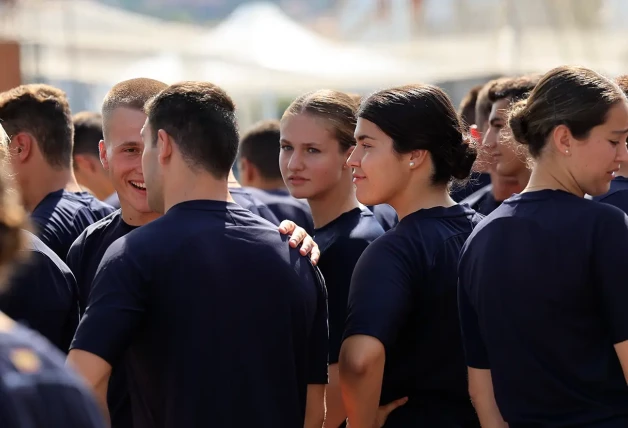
<point x="424" y="355"/>
<point x="42" y="294"/>
<point x="234" y="323"/>
<point x="617" y="195"/>
<point x="62" y="216"/>
<point x="539" y="302"/>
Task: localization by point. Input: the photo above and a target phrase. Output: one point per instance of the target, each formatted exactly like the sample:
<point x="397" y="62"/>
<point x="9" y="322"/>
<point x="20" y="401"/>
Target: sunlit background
<point x="266" y="53"/>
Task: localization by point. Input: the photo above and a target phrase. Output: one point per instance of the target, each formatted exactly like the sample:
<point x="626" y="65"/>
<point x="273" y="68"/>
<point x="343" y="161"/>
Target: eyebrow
<point x="495" y="119"/>
<point x="363" y="137"/>
<point x="283" y="140"/>
<point x="623" y="131"/>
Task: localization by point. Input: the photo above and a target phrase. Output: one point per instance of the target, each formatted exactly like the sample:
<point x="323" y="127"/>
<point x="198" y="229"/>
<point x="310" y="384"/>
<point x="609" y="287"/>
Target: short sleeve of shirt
<point x="337" y="264"/>
<point x="609" y="254"/>
<point x="380" y="295"/>
<point x="319" y="337"/>
<point x="73" y="260"/>
<point x="116" y="305"/>
<point x="472" y="341"/>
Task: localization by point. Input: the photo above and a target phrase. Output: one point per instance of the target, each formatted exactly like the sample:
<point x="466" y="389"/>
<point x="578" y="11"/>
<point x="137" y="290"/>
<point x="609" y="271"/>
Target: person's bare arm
<point x="298" y="235"/>
<point x="315" y="406"/>
<point x="96" y="373"/>
<point x="622" y="353"/>
<point x="335" y="411"/>
<point x="483" y="398"/>
<point x="361" y="367"/>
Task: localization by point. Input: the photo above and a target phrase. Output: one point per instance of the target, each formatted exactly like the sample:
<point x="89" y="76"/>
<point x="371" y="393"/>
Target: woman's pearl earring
<point x="411" y="163"/>
<point x="566" y="152"/>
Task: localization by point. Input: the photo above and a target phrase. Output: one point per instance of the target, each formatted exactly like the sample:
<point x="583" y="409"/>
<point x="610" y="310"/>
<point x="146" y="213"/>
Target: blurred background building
<point x="266" y="53"/>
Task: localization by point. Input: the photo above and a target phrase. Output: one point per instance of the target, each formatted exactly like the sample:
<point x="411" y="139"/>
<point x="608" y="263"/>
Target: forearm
<point x="360" y="395"/>
<point x="488" y="413"/>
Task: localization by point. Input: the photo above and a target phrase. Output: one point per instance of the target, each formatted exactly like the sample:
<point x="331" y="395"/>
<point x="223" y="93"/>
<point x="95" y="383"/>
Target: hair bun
<point x="518" y="122"/>
<point x="463" y="158"/>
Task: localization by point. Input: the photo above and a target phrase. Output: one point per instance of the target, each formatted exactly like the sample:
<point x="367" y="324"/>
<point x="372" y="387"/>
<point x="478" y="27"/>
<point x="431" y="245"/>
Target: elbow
<point x="356" y="363"/>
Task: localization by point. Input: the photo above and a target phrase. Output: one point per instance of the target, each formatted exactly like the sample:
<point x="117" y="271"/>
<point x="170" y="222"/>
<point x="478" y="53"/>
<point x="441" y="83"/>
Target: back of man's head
<point x="87" y="133"/>
<point x="44" y="112"/>
<point x="466" y="110"/>
<point x="200" y="118"/>
<point x="132" y="94"/>
<point x="260" y="146"/>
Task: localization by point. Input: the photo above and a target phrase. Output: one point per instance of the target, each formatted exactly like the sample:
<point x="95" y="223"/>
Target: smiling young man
<point x="263" y="328"/>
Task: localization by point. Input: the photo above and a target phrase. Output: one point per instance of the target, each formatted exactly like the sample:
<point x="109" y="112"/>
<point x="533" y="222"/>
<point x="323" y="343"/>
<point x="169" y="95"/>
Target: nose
<point x="296" y="161"/>
<point x="355" y="158"/>
<point x="490" y="139"/>
<point x="622" y="155"/>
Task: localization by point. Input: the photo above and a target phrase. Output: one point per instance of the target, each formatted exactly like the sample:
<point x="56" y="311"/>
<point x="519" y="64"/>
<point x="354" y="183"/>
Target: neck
<point x="47" y="181"/>
<point x="414" y="199"/>
<point x="233" y="181"/>
<point x="191" y="186"/>
<point x="505" y="186"/>
<point x="133" y="217"/>
<point x="333" y="203"/>
<point x="545" y="177"/>
<point x="265" y="184"/>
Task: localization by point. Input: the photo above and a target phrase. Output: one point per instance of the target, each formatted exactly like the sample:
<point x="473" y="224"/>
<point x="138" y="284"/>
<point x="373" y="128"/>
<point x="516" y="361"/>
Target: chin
<point x="367" y="198"/>
<point x="299" y="193"/>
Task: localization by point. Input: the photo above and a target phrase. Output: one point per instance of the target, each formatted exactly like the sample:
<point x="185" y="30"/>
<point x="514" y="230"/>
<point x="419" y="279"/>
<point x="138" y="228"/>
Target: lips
<point x="357" y="178"/>
<point x="296" y="180"/>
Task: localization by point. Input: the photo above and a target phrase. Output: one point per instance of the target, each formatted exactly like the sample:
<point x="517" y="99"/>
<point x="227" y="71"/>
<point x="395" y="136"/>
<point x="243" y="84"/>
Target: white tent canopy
<point x="261" y="34"/>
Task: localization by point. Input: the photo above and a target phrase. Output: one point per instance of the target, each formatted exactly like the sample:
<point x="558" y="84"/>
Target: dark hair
<point x="466" y="110"/>
<point x="336" y="108"/>
<point x="513" y="89"/>
<point x="622" y="82"/>
<point x="201" y="119"/>
<point x="87" y="133"/>
<point x="576" y="97"/>
<point x="422" y="117"/>
<point x="260" y="146"/>
<point x="44" y="112"/>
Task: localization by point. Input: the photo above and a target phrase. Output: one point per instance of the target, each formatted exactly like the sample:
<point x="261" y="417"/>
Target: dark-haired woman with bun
<point x="546" y="327"/>
<point x="402" y="335"/>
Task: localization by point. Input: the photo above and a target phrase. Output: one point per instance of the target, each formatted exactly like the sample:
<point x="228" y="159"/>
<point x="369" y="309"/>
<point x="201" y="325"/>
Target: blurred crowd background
<point x="266" y="53"/>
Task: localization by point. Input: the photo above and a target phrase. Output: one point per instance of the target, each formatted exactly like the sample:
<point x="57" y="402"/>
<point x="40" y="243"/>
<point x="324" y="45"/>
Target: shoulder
<point x="476" y="197"/>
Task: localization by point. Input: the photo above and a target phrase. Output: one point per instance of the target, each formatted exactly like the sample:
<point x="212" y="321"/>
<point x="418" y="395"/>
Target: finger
<point x="298" y="235"/>
<point x="307" y="245"/>
<point x="315" y="255"/>
<point x="286" y="227"/>
<point x="397" y="403"/>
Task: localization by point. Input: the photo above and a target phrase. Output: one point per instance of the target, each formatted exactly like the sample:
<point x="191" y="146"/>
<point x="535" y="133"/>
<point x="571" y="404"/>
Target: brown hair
<point x="466" y="110"/>
<point x="87" y="132"/>
<point x="576" y="97"/>
<point x="622" y="82"/>
<point x="336" y="108"/>
<point x="260" y="146"/>
<point x="13" y="217"/>
<point x="44" y="112"/>
<point x="514" y="88"/>
<point x="422" y="117"/>
<point x="132" y="94"/>
<point x="200" y="117"/>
